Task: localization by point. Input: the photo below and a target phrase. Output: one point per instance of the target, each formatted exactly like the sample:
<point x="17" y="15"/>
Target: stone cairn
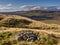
<point x="27" y="36"/>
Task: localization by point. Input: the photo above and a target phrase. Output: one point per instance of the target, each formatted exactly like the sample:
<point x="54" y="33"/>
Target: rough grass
<point x="10" y="22"/>
<point x="44" y="39"/>
<point x="23" y="22"/>
<point x="40" y="25"/>
<point x="14" y="21"/>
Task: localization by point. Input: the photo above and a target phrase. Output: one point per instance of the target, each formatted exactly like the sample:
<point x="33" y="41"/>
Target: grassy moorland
<point x="38" y="37"/>
<point x="44" y="16"/>
<point x="51" y="21"/>
<point x="19" y="30"/>
<point x="23" y="22"/>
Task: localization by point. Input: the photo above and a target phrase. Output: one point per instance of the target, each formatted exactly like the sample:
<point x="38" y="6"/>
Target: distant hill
<point x="12" y="12"/>
<point x="37" y="14"/>
<point x="42" y="15"/>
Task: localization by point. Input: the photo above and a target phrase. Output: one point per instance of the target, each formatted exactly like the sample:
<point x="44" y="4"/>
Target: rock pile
<point x="29" y="36"/>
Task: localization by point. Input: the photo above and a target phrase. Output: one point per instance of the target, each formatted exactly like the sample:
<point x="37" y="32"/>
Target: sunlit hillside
<point x="19" y="30"/>
<point x="24" y="22"/>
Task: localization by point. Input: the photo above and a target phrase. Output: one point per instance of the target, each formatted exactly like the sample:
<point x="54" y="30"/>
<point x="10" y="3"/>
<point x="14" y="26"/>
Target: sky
<point x="16" y="5"/>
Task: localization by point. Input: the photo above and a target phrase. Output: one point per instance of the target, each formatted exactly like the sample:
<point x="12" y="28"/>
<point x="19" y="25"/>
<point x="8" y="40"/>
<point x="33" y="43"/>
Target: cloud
<point x="36" y="8"/>
<point x="10" y="8"/>
<point x="32" y="7"/>
<point x="0" y="5"/>
<point x="7" y="8"/>
<point x="29" y="7"/>
<point x="9" y="5"/>
<point x="45" y="8"/>
<point x="58" y="8"/>
<point x="25" y="7"/>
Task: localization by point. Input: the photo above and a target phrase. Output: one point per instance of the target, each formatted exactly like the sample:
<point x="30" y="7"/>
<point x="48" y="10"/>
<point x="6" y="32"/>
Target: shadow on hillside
<point x="40" y="17"/>
<point x="15" y="22"/>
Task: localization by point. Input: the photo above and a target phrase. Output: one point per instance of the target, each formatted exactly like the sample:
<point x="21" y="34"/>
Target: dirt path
<point x="19" y="29"/>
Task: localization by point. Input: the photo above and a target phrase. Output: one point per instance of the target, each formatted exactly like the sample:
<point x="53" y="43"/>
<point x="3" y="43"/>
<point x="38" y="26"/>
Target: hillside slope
<point x="19" y="30"/>
<point x="24" y="22"/>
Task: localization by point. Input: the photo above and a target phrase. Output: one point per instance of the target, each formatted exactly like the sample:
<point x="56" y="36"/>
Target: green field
<point x="52" y="21"/>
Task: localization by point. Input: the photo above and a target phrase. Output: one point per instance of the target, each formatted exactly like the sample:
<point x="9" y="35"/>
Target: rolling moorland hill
<point x="24" y="22"/>
<point x="50" y="17"/>
<point x="20" y="30"/>
<point x="37" y="14"/>
<point x="40" y="15"/>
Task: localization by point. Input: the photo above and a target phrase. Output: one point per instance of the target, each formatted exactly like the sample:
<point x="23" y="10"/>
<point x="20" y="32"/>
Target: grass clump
<point x="46" y="39"/>
<point x="5" y="35"/>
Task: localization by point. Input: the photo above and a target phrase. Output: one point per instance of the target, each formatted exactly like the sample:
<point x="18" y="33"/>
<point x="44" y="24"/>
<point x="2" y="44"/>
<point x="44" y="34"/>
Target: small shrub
<point x="7" y="43"/>
<point x="14" y="41"/>
<point x="5" y="35"/>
